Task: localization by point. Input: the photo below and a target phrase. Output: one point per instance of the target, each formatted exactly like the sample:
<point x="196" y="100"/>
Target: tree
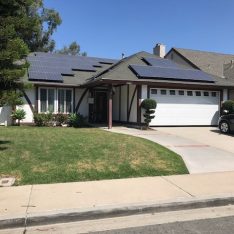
<point x="228" y="106"/>
<point x="149" y="105"/>
<point x="25" y="25"/>
<point x="19" y="115"/>
<point x="72" y="49"/>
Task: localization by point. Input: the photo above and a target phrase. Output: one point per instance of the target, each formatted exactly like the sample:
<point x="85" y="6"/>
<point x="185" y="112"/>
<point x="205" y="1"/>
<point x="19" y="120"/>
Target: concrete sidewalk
<point x="38" y="204"/>
<point x="199" y="156"/>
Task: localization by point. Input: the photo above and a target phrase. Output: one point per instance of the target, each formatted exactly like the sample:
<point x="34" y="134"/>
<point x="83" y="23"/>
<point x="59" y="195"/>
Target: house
<point x="217" y="64"/>
<point x="107" y="90"/>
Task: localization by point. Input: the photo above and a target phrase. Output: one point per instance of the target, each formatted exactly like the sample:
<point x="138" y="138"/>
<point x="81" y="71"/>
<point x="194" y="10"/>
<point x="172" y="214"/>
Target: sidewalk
<point x="37" y="204"/>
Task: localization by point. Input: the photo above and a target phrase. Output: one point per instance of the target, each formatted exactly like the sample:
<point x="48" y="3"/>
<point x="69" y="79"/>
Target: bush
<point x="61" y="118"/>
<point x="149" y="105"/>
<point x="18" y="114"/>
<point x="43" y="119"/>
<point x="77" y="120"/>
<point x="229" y="106"/>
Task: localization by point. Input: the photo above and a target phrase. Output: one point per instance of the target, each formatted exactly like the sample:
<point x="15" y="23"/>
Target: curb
<point x="72" y="216"/>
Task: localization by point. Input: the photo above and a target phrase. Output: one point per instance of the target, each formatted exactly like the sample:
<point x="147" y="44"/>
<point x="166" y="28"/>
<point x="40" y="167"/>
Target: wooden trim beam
<point x="36" y="102"/>
<point x="139" y="87"/>
<point x="130" y="107"/>
<point x="120" y="99"/>
<point x="110" y="94"/>
<point x="127" y="100"/>
<point x="74" y="100"/>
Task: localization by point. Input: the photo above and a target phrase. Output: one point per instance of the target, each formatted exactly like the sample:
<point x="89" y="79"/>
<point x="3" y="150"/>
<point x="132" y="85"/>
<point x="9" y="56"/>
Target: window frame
<point x="56" y="90"/>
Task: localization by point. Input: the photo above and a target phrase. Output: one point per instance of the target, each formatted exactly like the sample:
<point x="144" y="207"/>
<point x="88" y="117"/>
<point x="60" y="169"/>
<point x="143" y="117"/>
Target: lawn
<point x="37" y="155"/>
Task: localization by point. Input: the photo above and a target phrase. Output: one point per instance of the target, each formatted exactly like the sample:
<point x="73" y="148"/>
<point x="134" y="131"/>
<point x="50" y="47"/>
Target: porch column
<point x="110" y="107"/>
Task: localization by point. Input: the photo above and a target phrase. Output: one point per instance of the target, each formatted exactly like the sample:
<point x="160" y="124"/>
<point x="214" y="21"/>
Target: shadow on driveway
<point x="219" y="133"/>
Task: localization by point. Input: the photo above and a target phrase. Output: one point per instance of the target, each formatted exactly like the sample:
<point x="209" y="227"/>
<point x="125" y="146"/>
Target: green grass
<point x="50" y="155"/>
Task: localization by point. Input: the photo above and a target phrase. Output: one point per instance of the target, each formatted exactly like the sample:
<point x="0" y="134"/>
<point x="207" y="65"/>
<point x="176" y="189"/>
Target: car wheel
<point x="224" y="127"/>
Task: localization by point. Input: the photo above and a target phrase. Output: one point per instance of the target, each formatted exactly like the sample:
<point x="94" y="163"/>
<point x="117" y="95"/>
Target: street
<point x="215" y="220"/>
<point x="206" y="226"/>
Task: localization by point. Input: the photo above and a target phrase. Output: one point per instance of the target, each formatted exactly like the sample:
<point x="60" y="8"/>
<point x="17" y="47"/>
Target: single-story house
<point x="187" y="91"/>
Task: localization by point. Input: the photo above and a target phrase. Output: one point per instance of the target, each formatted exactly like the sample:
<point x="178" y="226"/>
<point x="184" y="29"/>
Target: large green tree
<point x="25" y="25"/>
<point x="72" y="49"/>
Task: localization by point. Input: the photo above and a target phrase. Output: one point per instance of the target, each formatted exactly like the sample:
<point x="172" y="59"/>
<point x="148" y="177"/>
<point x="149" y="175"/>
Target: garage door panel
<point x="186" y="110"/>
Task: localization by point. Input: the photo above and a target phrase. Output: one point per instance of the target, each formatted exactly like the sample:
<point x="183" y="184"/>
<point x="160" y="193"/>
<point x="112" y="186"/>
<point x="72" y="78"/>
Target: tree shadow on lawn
<point x="3" y="143"/>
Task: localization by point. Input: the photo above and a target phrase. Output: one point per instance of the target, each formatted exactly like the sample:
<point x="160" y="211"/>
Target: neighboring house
<point x="107" y="90"/>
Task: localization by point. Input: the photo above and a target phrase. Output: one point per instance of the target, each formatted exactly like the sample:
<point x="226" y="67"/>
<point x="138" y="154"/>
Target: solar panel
<point x="159" y="62"/>
<point x="59" y="70"/>
<point x="45" y="76"/>
<point x="171" y="73"/>
<point x="49" y="66"/>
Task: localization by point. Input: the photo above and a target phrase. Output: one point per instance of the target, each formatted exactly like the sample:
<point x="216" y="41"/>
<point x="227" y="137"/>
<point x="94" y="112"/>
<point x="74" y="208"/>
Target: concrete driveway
<point x="203" y="149"/>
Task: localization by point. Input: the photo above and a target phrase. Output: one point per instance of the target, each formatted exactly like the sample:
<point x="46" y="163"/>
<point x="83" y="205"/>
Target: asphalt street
<point x="206" y="226"/>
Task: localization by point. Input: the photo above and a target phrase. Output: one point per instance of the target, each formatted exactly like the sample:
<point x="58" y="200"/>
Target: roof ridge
<point x="114" y="66"/>
<point x="202" y="51"/>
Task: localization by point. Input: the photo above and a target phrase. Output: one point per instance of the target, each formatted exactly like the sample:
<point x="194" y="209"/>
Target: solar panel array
<point x="51" y="67"/>
<point x="158" y="62"/>
<point x="156" y="72"/>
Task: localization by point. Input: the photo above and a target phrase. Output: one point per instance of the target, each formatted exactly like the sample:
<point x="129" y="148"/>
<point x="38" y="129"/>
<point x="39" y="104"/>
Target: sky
<point x="108" y="28"/>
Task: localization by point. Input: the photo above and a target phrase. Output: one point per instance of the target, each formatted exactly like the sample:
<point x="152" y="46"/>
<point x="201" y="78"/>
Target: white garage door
<point x="185" y="107"/>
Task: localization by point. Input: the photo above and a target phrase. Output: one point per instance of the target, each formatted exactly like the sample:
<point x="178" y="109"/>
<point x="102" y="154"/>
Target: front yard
<point x="50" y="155"/>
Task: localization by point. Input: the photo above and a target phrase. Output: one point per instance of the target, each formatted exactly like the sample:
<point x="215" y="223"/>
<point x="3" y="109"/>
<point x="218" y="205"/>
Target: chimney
<point x="160" y="50"/>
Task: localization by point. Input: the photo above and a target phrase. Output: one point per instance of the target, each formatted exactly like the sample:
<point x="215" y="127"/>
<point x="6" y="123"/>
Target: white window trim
<point x="55" y="99"/>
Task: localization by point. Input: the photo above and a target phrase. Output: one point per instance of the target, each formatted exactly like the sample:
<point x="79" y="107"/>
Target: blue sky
<point x="106" y="28"/>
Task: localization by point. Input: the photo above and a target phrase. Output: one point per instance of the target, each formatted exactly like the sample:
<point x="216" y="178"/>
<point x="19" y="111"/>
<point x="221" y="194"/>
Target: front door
<point x="100" y="113"/>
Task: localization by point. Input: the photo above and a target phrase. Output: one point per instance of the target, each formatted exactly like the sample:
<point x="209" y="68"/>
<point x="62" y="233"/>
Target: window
<point x="64" y="101"/>
<point x="172" y="92"/>
<point x="55" y="101"/>
<point x="198" y="93"/>
<point x="163" y="92"/>
<point x="47" y="100"/>
<point x="206" y="94"/>
<point x="181" y="92"/>
<point x="213" y="94"/>
<point x="153" y="91"/>
<point x="190" y="93"/>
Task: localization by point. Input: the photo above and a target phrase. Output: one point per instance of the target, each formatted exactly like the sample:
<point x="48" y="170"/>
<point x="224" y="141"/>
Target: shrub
<point x="61" y="118"/>
<point x="43" y="119"/>
<point x="77" y="120"/>
<point x="149" y="105"/>
<point x="19" y="115"/>
<point x="229" y="106"/>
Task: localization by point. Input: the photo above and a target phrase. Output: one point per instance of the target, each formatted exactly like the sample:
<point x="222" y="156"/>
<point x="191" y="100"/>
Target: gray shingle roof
<point x="122" y="72"/>
<point x="209" y="62"/>
<point x="64" y="69"/>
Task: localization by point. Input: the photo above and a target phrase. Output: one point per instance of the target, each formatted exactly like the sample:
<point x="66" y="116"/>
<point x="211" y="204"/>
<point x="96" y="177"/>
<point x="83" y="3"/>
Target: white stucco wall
<point x="225" y="94"/>
<point x="124" y="103"/>
<point x="31" y="93"/>
<point x="84" y="106"/>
